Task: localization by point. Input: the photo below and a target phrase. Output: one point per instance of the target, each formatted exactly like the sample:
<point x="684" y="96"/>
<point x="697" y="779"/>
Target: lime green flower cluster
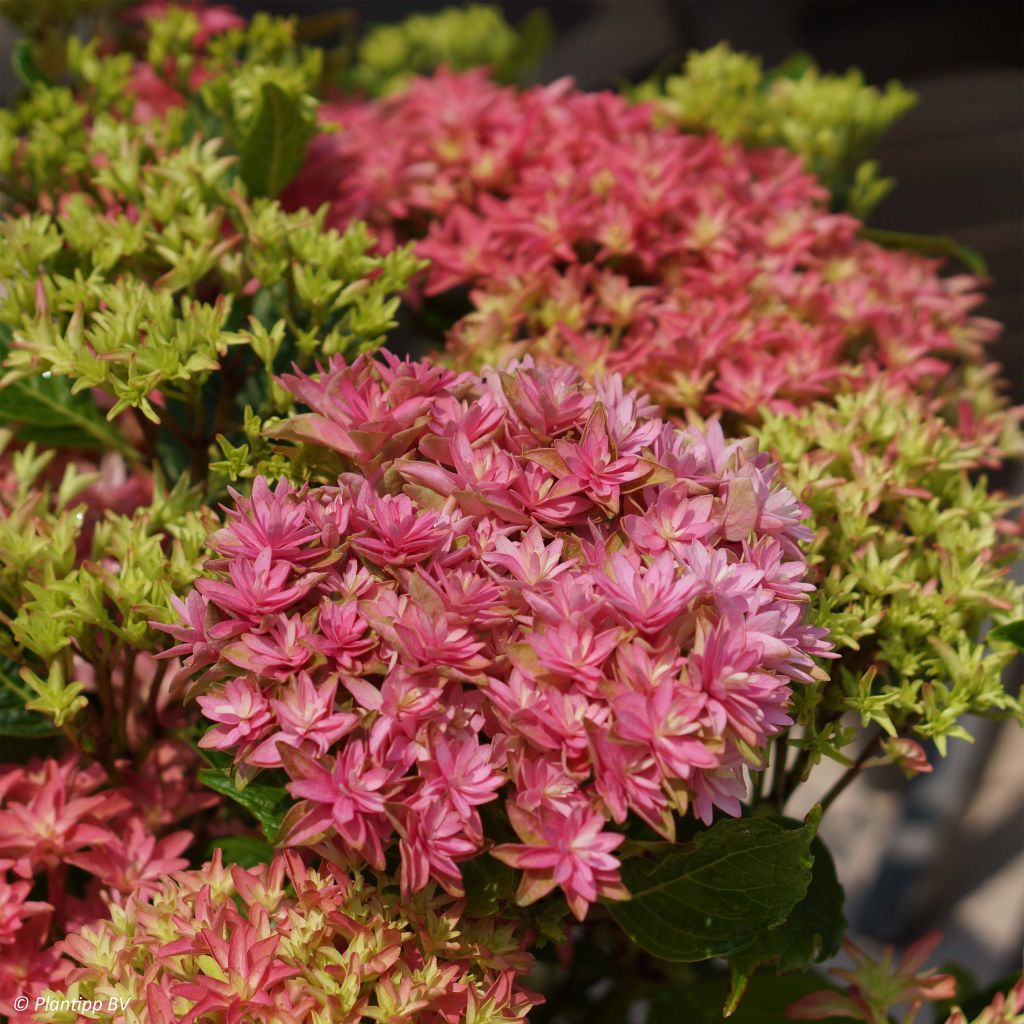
<point x="155" y="267"/>
<point x="152" y="286"/>
<point x="80" y="581"/>
<point x="459" y="38"/>
<point x="832" y="121"/>
<point x="914" y="554"/>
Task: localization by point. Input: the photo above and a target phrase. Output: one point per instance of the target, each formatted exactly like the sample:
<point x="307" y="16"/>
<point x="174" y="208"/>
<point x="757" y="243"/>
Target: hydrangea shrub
<point x="487" y="673"/>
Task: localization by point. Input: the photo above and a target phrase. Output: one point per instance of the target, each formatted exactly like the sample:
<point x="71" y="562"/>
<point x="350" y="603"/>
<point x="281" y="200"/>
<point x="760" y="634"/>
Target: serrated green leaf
<point x="267" y="804"/>
<point x="275" y="145"/>
<point x="245" y="851"/>
<point x="715" y="895"/>
<point x="1011" y="633"/>
<point x="810" y="934"/>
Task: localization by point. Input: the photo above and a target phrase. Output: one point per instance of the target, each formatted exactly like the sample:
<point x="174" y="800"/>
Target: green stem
<point x="779" y="773"/>
<point x="851" y="773"/>
<point x="197" y="441"/>
<point x="152" y="698"/>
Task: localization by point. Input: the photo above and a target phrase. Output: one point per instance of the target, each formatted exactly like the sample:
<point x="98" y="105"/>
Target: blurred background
<point x="947" y="850"/>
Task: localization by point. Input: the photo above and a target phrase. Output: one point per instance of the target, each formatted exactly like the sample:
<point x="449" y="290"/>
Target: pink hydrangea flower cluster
<point x="286" y="944"/>
<point x="56" y="816"/>
<point x="713" y="277"/>
<point x="523" y="586"/>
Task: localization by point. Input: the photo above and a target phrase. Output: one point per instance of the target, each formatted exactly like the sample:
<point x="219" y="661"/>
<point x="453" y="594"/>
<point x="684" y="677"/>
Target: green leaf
<point x="245" y="851"/>
<point x="715" y="895"/>
<point x="767" y="999"/>
<point x="24" y="63"/>
<point x="489" y="885"/>
<point x="275" y="145"/>
<point x="928" y="245"/>
<point x="794" y="67"/>
<point x="1009" y="632"/>
<point x="267" y="804"/>
<point x="536" y="35"/>
<point x="811" y="933"/>
<point x="15" y="719"/>
<point x="46" y="411"/>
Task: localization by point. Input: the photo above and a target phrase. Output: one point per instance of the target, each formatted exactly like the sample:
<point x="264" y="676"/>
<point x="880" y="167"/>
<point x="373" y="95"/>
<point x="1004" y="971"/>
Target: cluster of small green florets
<point x="914" y="554"/>
<point x="157" y="268"/>
<point x="90" y="554"/>
<point x="832" y="121"/>
<point x="389" y="56"/>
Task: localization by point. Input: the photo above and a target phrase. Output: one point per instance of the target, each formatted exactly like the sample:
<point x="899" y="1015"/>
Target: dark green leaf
<point x="811" y="933"/>
<point x="766" y="1002"/>
<point x="15" y="718"/>
<point x="267" y="804"/>
<point x="25" y="66"/>
<point x="45" y="410"/>
<point x="219" y="759"/>
<point x="536" y="34"/>
<point x="1011" y="633"/>
<point x="713" y="896"/>
<point x="928" y="245"/>
<point x="489" y="886"/>
<point x="245" y="851"/>
<point x="275" y="145"/>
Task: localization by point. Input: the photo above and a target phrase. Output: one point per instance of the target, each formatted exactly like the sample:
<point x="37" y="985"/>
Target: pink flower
<point x="433" y="837"/>
<point x="267" y="520"/>
<point x="589" y="231"/>
<point x="571" y="851"/>
<point x="671" y="522"/>
<point x="249" y="968"/>
<point x="242" y="711"/>
<point x="575" y="652"/>
<point x="396" y="534"/>
<point x="15" y="908"/>
<point x="345" y="795"/>
<point x="277" y="651"/>
<point x="669" y="724"/>
<point x="461" y="773"/>
<point x="591" y="466"/>
<point x="134" y="860"/>
<point x="257" y="587"/>
<point x="529" y="561"/>
<point x="649" y="597"/>
<point x="294" y="941"/>
<point x="50" y="824"/>
<point x="307" y="720"/>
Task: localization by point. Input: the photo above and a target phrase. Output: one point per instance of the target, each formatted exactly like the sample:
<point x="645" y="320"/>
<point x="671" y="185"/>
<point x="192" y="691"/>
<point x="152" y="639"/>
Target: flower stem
<point x="851" y="773"/>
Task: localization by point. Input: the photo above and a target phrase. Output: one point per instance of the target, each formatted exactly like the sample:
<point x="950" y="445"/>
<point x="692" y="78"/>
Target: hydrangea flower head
<point x="287" y="943"/>
<point x="588" y="230"/>
<point x="523" y="590"/>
